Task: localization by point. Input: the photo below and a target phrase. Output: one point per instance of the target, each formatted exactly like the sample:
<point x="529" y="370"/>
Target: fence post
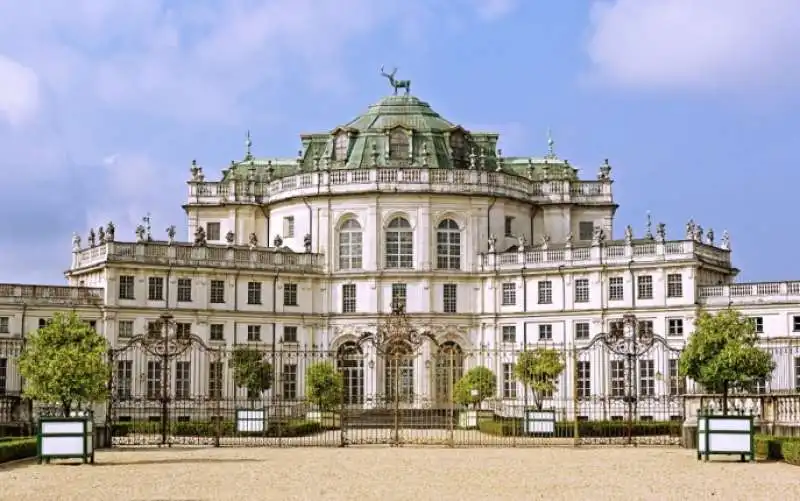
<point x="575" y="425"/>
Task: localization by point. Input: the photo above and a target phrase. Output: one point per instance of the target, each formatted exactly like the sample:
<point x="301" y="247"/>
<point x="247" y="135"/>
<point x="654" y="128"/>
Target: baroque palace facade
<point x="488" y="254"/>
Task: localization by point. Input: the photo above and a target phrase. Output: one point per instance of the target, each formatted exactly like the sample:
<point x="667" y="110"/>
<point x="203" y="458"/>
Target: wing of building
<point x="489" y="255"/>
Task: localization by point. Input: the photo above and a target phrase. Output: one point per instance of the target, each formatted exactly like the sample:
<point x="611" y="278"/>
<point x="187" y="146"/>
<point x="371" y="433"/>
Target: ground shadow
<point x="171" y="461"/>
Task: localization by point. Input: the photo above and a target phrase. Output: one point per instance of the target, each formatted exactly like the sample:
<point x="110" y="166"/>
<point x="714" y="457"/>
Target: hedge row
<point x="18" y="448"/>
<point x="295" y="428"/>
<point x="587" y="429"/>
<point x="778" y="448"/>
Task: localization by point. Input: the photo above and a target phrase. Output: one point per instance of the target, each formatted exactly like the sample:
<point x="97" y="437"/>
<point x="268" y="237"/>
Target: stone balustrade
<point x="186" y="254"/>
<point x="463" y="182"/>
<point x="609" y="254"/>
<point x="51" y="294"/>
<point x="759" y="292"/>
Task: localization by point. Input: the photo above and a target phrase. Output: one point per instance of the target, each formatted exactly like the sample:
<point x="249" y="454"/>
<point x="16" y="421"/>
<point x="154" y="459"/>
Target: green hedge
<point x="293" y="428"/>
<point x="587" y="429"/>
<point x="18" y="448"/>
<point x="778" y="448"/>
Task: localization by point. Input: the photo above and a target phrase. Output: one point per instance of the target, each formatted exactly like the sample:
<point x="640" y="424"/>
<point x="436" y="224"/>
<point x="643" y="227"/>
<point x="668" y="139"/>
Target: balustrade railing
<point x="52" y="293"/>
<point x="758" y="291"/>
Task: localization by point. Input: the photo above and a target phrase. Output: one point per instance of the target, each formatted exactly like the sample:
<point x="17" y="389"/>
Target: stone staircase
<point x="408" y="418"/>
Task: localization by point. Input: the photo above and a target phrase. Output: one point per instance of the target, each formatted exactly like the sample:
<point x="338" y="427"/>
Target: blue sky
<point x="103" y="104"/>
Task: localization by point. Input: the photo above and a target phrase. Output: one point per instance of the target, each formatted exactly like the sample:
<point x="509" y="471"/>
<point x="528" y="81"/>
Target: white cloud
<point x="695" y="44"/>
<point x="490" y="10"/>
<point x="19" y="92"/>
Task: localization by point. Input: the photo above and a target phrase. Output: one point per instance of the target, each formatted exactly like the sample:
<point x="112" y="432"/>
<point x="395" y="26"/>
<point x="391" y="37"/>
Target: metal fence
<point x="180" y="390"/>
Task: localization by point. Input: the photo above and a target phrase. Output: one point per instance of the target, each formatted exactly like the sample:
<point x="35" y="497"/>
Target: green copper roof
<point x="398" y="131"/>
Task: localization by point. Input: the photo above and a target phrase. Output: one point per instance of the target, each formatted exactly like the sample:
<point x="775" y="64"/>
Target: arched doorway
<point x="350" y="361"/>
<point x="399" y="374"/>
<point x="449" y="369"/>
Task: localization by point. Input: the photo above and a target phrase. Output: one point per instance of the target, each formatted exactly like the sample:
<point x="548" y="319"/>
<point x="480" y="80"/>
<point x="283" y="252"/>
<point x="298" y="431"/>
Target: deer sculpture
<point x="397" y="84"/>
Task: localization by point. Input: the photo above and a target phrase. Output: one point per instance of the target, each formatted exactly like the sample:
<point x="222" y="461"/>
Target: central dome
<point x="408" y="112"/>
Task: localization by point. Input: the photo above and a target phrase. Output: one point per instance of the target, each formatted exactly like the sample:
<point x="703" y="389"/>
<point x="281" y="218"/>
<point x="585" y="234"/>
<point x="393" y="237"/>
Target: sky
<point x="104" y="104"/>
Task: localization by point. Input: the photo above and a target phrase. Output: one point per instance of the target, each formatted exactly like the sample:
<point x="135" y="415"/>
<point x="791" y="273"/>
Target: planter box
<point x="328" y="419"/>
<point x="65" y="438"/>
<point x="540" y="421"/>
<point x="729" y="435"/>
<point x="471" y="418"/>
<point x="251" y="421"/>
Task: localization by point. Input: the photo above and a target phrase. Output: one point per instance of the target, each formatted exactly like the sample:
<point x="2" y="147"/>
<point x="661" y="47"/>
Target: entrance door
<point x="449" y="369"/>
<point x="351" y="365"/>
<point x="399" y="377"/>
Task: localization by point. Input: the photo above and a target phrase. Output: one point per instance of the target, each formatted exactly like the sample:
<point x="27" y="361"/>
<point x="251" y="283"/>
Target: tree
<point x="722" y="354"/>
<point x="480" y="379"/>
<point x="65" y="363"/>
<point x="251" y="371"/>
<point x="324" y="385"/>
<point x="538" y="371"/>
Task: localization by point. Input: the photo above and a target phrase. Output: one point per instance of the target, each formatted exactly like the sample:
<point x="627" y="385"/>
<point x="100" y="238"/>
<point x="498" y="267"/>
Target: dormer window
<point x="398" y="145"/>
<point x="458" y="144"/>
<point x="340" y="147"/>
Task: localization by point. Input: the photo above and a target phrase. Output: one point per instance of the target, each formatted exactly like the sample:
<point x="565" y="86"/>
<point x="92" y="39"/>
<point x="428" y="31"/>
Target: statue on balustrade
<point x="545" y="242"/>
<point x="140" y="231"/>
<point x="101" y="235"/>
<point x="92" y="240"/>
<point x="199" y="237"/>
<point x="568" y="243"/>
<point x="628" y="235"/>
<point x="710" y="236"/>
<point x="661" y="232"/>
<point x="110" y="229"/>
<point x="521" y="243"/>
<point x="171" y="234"/>
<point x="307" y="242"/>
<point x="492" y="243"/>
<point x="698" y="233"/>
<point x="76" y="242"/>
<point x="277" y="242"/>
<point x="726" y="241"/>
<point x="253" y="241"/>
<point x="690" y="229"/>
<point x="597" y="235"/>
<point x="230" y="237"/>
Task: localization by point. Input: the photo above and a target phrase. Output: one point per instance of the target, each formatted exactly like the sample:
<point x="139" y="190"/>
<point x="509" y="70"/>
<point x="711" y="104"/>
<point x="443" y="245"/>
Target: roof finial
<point x="248" y="143"/>
<point x="550" y="144"/>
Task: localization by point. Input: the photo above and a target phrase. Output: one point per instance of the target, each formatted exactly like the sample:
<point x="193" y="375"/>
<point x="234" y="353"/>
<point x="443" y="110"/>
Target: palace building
<point x="486" y="255"/>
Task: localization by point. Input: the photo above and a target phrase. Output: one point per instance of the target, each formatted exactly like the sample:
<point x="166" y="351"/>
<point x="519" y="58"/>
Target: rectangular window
<point x="581" y="290"/>
<point x="43" y="323"/>
<point x="126" y="287"/>
<point x="545" y="332"/>
<point x="582" y="330"/>
<point x="584" y="379"/>
<point x="545" y="292"/>
<point x="509" y="333"/>
<point x="213" y="232"/>
<point x="288" y="227"/>
<point x="254" y="333"/>
<point x="216" y="332"/>
<point x="4" y="329"/>
<point x="215" y="380"/>
<point x="184" y="290"/>
<point x="647" y="378"/>
<point x="797" y="374"/>
<point x="508" y="227"/>
<point x="3" y="375"/>
<point x="617" y="378"/>
<point x="674" y="285"/>
<point x="154" y="328"/>
<point x="289" y="333"/>
<point x="183" y="380"/>
<point x="290" y="381"/>
<point x="253" y="292"/>
<point x="644" y="287"/>
<point x="183" y="330"/>
<point x="509" y="382"/>
<point x="760" y="386"/>
<point x="796" y="323"/>
<point x="290" y="294"/>
<point x="125" y="328"/>
<point x="399" y="296"/>
<point x="155" y="288"/>
<point x="585" y="230"/>
<point x="675" y="327"/>
<point x="450" y="297"/>
<point x="509" y="294"/>
<point x="616" y="328"/>
<point x="644" y="327"/>
<point x="217" y="291"/>
<point x="349" y="298"/>
<point x="153" y="379"/>
<point x="124" y="379"/>
<point x="616" y="291"/>
<point x="758" y="323"/>
<point x="677" y="384"/>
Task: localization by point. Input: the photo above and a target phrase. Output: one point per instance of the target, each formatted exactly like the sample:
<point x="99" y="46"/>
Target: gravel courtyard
<point x="399" y="474"/>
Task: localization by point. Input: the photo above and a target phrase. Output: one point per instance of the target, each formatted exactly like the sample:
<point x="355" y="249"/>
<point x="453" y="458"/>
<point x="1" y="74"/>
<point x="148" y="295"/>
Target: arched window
<point x="340" y="147"/>
<point x="350" y="361"/>
<point x="398" y="145"/>
<point x="459" y="145"/>
<point x="449" y="369"/>
<point x="399" y="244"/>
<point x="350" y="248"/>
<point x="448" y="245"/>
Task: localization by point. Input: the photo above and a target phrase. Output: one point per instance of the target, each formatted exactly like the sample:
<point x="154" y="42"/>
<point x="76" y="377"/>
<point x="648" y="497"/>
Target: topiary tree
<point x="65" y="363"/>
<point x="251" y="371"/>
<point x="722" y="354"/>
<point x="538" y="371"/>
<point x="478" y="384"/>
<point x="324" y="385"/>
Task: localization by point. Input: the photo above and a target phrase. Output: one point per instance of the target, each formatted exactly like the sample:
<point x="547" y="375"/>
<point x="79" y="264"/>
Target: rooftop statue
<point x="397" y="84"/>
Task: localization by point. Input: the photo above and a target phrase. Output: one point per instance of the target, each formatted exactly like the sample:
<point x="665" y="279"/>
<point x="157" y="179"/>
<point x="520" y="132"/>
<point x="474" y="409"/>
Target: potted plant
<point x="325" y="391"/>
<point x="538" y="371"/>
<point x="478" y="384"/>
<point x="722" y="356"/>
